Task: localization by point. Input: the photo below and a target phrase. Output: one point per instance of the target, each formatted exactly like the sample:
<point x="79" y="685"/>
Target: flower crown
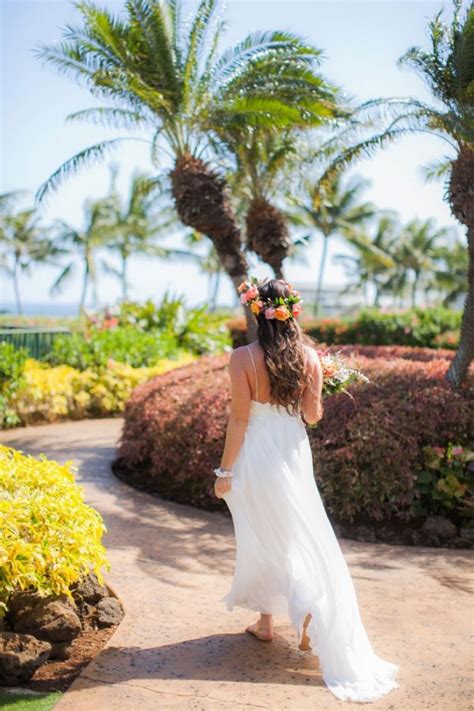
<point x="282" y="307"/>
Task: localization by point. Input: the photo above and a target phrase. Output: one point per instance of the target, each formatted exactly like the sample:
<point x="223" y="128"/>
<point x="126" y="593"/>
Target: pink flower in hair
<point x="248" y="295"/>
<point x="296" y="309"/>
<point x="270" y="312"/>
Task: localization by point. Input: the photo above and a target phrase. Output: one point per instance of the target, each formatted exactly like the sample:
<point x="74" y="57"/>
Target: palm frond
<point x="115" y="117"/>
<point x="74" y="164"/>
<point x="437" y="170"/>
<point x="62" y="278"/>
<point x="197" y="37"/>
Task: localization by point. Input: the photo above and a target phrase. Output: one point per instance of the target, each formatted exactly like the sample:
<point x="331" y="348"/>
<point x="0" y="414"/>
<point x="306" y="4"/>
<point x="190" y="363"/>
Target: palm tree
<point x="210" y="265"/>
<point x="449" y="274"/>
<point x="262" y="158"/>
<point x="377" y="258"/>
<point x="85" y="243"/>
<point x="448" y="70"/>
<point x="160" y="74"/>
<point x="135" y="226"/>
<point x="23" y="242"/>
<point x="266" y="161"/>
<point x="420" y="245"/>
<point x="337" y="210"/>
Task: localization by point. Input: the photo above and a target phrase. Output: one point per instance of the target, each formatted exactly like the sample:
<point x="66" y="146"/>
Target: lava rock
<point x="20" y="657"/>
<point x="61" y="650"/>
<point x="88" y="589"/>
<point x="439" y="527"/>
<point x="109" y="612"/>
<point x="53" y="619"/>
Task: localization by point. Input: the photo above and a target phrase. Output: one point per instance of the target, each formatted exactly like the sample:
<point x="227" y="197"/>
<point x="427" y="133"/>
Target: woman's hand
<point x="222" y="485"/>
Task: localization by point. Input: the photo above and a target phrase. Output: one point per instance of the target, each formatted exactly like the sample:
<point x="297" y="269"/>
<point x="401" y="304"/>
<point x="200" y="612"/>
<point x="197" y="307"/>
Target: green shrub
<point x="12" y="363"/>
<point x="420" y="327"/>
<point x="367" y="450"/>
<point x="193" y="329"/>
<point x="445" y="483"/>
<point x="49" y="537"/>
<point x="126" y="345"/>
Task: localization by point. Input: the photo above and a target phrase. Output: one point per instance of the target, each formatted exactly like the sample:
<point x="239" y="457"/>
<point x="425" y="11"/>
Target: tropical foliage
<point x="334" y="210"/>
<point x="23" y="242"/>
<point x="49" y="538"/>
<point x="52" y="393"/>
<point x="447" y="68"/>
<point x="12" y="362"/>
<point x="171" y="78"/>
<point x="445" y="484"/>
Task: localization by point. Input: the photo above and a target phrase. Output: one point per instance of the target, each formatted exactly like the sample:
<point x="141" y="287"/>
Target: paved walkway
<point x="179" y="648"/>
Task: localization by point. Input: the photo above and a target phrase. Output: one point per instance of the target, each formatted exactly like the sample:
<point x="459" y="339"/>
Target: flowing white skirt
<point x="288" y="559"/>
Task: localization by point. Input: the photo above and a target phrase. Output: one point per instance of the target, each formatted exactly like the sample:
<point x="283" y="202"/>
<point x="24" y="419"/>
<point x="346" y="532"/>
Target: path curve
<point x="179" y="648"/>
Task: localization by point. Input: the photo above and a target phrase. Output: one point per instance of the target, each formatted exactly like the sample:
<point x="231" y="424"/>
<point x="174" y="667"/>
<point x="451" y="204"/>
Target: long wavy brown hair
<point x="283" y="344"/>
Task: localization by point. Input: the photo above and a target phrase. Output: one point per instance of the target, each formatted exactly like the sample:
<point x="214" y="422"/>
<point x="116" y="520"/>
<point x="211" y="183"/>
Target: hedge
<point x="366" y="451"/>
<point x="49" y="394"/>
<point x="434" y="327"/>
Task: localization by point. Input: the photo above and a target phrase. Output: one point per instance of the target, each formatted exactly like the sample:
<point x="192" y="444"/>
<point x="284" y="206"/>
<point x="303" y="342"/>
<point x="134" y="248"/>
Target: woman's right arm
<point x="312" y="397"/>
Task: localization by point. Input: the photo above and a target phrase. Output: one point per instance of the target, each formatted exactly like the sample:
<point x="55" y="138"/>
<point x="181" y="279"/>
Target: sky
<point x="361" y="42"/>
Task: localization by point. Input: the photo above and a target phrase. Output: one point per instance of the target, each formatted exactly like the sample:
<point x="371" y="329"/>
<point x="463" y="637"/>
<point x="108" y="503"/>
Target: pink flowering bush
<point x="367" y="451"/>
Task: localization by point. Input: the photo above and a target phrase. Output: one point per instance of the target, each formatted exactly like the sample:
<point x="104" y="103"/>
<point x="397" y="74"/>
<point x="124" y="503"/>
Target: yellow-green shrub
<point x="49" y="537"/>
<point x="58" y="392"/>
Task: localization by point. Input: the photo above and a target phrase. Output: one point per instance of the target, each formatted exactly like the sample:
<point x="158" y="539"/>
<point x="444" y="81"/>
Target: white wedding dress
<point x="288" y="559"/>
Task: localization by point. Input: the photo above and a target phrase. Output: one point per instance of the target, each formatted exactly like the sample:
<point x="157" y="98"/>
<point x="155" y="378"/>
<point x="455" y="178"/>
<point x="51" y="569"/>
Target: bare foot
<point x="262" y="632"/>
<point x="305" y="643"/>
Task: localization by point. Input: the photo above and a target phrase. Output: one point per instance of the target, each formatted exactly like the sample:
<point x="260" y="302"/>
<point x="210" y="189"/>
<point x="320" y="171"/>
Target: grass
<point x="20" y="700"/>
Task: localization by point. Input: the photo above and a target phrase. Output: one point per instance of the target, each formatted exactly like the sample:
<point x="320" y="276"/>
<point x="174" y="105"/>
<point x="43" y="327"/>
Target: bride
<point x="288" y="560"/>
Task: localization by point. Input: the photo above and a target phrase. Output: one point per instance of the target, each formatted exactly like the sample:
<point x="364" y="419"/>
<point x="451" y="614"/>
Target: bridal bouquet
<point x="337" y="375"/>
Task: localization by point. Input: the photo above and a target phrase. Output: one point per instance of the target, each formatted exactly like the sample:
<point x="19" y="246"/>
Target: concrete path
<point x="179" y="648"/>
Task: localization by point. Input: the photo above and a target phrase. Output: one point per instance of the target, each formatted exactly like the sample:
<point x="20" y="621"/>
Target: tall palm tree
<point x="448" y="70"/>
<point x="85" y="243"/>
<point x="165" y="74"/>
<point x="135" y="226"/>
<point x="376" y="259"/>
<point x="337" y="210"/>
<point x="262" y="158"/>
<point x="266" y="161"/>
<point x="420" y="246"/>
<point x="23" y="242"/>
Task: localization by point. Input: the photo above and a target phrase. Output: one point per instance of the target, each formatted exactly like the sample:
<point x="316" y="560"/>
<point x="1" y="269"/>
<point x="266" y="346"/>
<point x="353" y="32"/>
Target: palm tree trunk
<point x="123" y="278"/>
<point x="215" y="291"/>
<point x="85" y="284"/>
<point x="268" y="234"/>
<point x="202" y="202"/>
<point x="465" y="353"/>
<point x="16" y="287"/>
<point x="413" y="291"/>
<point x="322" y="264"/>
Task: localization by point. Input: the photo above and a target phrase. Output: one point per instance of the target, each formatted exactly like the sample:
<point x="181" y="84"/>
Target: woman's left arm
<point x="238" y="419"/>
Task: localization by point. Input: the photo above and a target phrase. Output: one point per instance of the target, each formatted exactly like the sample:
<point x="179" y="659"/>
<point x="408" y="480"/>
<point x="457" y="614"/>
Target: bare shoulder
<point x="238" y="356"/>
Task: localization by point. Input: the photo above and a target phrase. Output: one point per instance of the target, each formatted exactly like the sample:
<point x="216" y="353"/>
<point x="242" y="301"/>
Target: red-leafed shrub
<point x="366" y="450"/>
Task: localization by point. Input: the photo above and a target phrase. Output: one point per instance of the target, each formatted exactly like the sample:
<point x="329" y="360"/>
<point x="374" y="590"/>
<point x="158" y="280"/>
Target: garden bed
<point x="370" y="452"/>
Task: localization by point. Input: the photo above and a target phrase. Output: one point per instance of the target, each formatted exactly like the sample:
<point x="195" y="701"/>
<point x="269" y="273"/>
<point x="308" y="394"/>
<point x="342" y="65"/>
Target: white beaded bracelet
<point x="222" y="472"/>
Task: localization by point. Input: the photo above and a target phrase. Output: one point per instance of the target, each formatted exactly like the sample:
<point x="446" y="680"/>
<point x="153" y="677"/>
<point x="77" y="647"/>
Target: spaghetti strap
<point x="255" y="371"/>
